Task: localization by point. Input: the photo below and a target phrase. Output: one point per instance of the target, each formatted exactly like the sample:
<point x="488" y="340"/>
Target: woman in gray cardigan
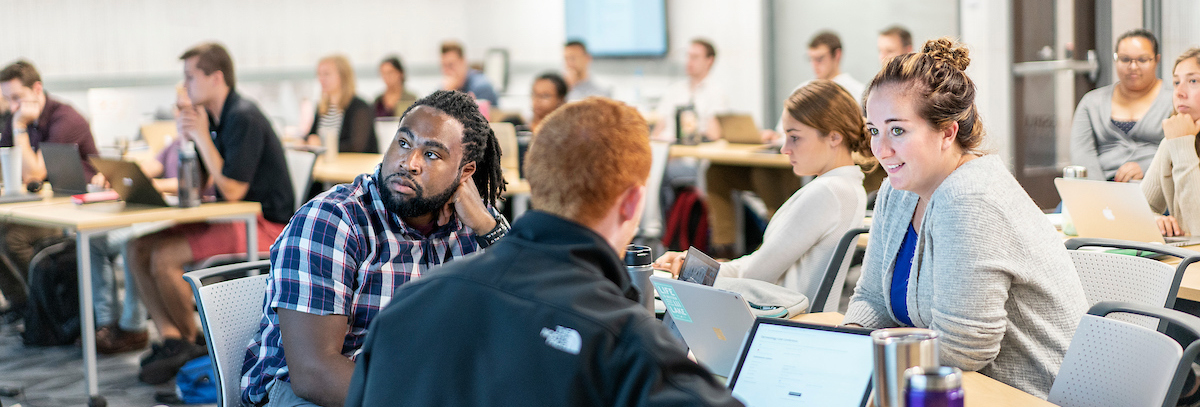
<point x="956" y="245"/>
<point x="1117" y="128"/>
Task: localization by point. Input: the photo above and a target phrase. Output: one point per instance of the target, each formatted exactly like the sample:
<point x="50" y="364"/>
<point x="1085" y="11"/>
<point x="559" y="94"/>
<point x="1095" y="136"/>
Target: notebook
<point x="712" y="321"/>
<point x="64" y="170"/>
<point x="788" y="363"/>
<point x="1113" y="210"/>
<point x="129" y="181"/>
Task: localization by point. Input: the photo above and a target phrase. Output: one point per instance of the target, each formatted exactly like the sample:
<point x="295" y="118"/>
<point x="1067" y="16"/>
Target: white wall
<point x="987" y="30"/>
<point x="275" y="44"/>
<point x="1179" y="32"/>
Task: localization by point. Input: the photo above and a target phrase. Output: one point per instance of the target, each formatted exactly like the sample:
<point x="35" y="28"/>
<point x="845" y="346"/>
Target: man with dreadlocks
<point x="339" y="260"/>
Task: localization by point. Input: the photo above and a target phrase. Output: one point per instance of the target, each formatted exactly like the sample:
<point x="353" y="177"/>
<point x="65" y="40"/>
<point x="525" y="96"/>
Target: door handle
<point x="1090" y="67"/>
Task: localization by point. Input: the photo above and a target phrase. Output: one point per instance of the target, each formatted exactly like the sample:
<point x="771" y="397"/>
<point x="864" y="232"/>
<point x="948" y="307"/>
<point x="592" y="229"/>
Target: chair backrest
<point x="230" y="313"/>
<point x="385" y="132"/>
<point x="300" y="168"/>
<point x="1118" y="277"/>
<point x="826" y="298"/>
<point x="1116" y="363"/>
<point x="506" y="135"/>
<point x="155" y="134"/>
<point x="652" y="216"/>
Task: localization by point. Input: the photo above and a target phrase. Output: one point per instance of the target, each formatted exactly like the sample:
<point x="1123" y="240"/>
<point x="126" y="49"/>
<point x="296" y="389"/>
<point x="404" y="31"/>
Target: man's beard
<point x="417" y="205"/>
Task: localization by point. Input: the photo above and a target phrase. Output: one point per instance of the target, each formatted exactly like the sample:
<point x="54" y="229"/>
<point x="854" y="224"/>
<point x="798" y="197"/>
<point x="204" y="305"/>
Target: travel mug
<point x="936" y="387"/>
<point x="637" y="263"/>
<point x="896" y="350"/>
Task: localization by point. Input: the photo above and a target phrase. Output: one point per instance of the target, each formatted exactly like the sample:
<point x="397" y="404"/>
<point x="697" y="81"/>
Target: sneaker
<point x="112" y="339"/>
<point x="162" y="365"/>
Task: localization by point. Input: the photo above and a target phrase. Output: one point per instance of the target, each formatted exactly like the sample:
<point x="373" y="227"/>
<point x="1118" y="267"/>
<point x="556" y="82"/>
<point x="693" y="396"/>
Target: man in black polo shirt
<point x="245" y="162"/>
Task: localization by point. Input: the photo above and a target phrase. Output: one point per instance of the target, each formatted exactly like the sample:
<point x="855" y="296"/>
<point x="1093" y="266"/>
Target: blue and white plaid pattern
<point x="342" y="253"/>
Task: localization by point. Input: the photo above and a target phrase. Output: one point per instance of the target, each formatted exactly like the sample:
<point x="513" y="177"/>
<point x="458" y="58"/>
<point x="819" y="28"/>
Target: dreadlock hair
<point x="479" y="142"/>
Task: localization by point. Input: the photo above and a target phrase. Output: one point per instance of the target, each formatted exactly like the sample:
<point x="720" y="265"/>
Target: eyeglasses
<point x="1143" y="61"/>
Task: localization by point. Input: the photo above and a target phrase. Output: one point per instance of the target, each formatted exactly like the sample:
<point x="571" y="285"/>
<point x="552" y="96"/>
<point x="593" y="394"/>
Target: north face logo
<point x="563" y="338"/>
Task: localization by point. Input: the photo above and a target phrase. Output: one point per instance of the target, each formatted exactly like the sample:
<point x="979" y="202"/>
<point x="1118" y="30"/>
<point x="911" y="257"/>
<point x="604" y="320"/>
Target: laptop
<point x="1113" y="210"/>
<point x="129" y="181"/>
<point x="792" y="363"/>
<point x="64" y="170"/>
<point x="739" y="129"/>
<point x="712" y="321"/>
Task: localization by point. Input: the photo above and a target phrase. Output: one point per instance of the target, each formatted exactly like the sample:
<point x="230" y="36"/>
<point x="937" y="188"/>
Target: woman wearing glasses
<point x="1118" y="127"/>
<point x="1173" y="178"/>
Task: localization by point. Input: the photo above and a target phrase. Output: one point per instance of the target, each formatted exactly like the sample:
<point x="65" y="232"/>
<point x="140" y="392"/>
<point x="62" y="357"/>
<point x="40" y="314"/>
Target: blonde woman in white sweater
<point x="822" y="125"/>
<point x="1172" y="182"/>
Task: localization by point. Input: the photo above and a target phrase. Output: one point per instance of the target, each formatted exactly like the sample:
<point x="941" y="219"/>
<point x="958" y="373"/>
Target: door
<point x="1054" y="65"/>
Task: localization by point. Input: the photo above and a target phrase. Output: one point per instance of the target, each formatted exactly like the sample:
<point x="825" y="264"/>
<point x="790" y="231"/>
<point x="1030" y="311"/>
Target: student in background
<point x="340" y="111"/>
<point x="395" y="97"/>
<point x="1117" y="128"/>
<point x="706" y="97"/>
<point x="822" y="124"/>
<point x="825" y="55"/>
<point x="245" y="162"/>
<point x="549" y="92"/>
<point x="578" y="75"/>
<point x="456" y="75"/>
<point x="557" y="322"/>
<point x="957" y="246"/>
<point x="1172" y="182"/>
<point x="36" y="118"/>
<point x="893" y="42"/>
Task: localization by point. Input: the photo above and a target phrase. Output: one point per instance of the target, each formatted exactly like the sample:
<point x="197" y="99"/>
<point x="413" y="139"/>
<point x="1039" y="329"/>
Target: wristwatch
<point x="494" y="235"/>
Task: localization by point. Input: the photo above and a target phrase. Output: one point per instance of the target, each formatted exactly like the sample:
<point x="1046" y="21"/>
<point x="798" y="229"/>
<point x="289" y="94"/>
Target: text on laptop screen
<point x="793" y="366"/>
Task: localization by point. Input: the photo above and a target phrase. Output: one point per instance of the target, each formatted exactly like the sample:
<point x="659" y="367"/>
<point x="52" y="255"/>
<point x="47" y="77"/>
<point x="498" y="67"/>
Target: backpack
<point x="687" y="221"/>
<point x="52" y="310"/>
<point x="196" y="382"/>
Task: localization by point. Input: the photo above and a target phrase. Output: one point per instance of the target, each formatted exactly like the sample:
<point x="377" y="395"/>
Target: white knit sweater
<point x="1173" y="182"/>
<point x="801" y="237"/>
<point x="990" y="274"/>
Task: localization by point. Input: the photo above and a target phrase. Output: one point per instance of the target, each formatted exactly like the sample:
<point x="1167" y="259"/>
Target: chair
<point x="300" y="169"/>
<point x="651" y="227"/>
<point x="155" y="134"/>
<point x="835" y="274"/>
<point x="1118" y="277"/>
<point x="1116" y="363"/>
<point x="506" y="135"/>
<point x="230" y="313"/>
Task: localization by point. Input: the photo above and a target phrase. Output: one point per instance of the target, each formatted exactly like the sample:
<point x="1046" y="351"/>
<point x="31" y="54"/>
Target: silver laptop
<point x="739" y="128"/>
<point x="1113" y="210"/>
<point x="712" y="321"/>
<point x="788" y="363"/>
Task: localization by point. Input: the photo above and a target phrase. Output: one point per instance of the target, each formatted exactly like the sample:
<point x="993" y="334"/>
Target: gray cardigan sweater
<point x="1101" y="147"/>
<point x="990" y="274"/>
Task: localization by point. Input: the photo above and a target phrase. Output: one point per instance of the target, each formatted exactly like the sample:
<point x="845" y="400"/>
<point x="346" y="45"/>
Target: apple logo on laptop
<point x="1108" y="214"/>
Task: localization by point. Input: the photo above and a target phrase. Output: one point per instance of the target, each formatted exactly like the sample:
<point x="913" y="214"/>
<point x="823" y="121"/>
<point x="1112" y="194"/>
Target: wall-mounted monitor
<point x="619" y="28"/>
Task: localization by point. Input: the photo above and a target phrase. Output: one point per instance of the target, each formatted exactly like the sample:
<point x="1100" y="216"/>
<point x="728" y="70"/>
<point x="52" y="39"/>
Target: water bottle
<point x="934" y="387"/>
<point x="1071" y="171"/>
<point x="189" y="175"/>
<point x="637" y="263"/>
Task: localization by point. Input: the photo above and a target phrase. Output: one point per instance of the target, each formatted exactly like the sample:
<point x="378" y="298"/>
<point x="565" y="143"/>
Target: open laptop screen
<point x="786" y="363"/>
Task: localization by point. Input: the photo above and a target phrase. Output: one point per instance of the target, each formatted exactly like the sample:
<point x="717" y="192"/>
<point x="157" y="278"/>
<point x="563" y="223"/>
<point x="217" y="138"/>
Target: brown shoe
<point x="112" y="339"/>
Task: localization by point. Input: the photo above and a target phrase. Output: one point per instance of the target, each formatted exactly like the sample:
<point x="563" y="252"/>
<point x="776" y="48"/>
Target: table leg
<point x="87" y="320"/>
<point x="252" y="238"/>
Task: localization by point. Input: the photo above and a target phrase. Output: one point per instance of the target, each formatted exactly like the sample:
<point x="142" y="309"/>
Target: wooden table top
<point x="1189" y="287"/>
<point x="723" y="152"/>
<point x="114" y="214"/>
<point x="981" y="391"/>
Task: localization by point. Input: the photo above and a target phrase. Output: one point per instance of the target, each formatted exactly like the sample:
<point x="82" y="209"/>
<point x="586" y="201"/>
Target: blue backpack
<point x="196" y="382"/>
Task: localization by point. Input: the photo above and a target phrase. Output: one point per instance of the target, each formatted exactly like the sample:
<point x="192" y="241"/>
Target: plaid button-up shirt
<point x="342" y="253"/>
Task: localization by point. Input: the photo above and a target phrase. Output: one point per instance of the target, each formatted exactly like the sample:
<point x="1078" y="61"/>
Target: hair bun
<point x="943" y="49"/>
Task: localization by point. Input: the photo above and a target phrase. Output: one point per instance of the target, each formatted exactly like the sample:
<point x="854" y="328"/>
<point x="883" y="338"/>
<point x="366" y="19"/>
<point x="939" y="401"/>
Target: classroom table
<point x="981" y="391"/>
<point x="91" y="219"/>
<point x="1189" y="287"/>
<point x="724" y="152"/>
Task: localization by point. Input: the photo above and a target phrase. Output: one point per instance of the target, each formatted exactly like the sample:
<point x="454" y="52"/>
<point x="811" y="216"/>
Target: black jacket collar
<point x="581" y="243"/>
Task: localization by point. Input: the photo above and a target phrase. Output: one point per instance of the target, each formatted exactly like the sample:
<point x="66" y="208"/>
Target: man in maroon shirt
<point x="36" y="118"/>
